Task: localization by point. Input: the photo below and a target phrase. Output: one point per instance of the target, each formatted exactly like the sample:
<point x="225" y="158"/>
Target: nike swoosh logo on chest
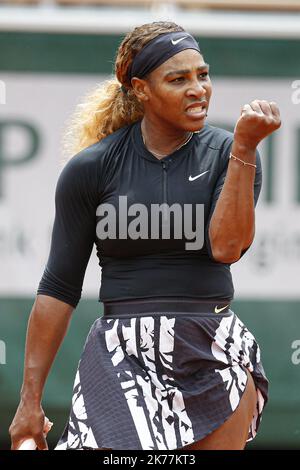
<point x="192" y="178"/>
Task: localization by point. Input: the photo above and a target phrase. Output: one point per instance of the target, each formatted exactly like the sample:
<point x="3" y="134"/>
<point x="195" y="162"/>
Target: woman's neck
<point x="162" y="142"/>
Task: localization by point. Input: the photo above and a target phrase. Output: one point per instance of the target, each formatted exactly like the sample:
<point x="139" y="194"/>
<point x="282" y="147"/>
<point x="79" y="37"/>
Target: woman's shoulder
<point x="111" y="141"/>
<point x="88" y="167"/>
<point x="95" y="155"/>
<point x="99" y="149"/>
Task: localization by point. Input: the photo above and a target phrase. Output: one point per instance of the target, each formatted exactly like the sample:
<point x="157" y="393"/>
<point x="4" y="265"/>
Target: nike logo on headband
<point x="177" y="40"/>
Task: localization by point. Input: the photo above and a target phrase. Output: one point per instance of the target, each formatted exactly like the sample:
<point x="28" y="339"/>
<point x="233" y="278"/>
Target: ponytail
<point x="104" y="110"/>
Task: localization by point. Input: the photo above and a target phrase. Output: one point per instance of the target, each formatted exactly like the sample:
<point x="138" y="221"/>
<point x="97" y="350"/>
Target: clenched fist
<point x="258" y="119"/>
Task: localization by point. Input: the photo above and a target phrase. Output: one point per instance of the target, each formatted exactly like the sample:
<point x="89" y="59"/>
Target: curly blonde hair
<point x="107" y="108"/>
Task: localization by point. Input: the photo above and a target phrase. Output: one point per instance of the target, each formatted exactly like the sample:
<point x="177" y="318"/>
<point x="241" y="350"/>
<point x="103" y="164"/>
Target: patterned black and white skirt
<point x="151" y="377"/>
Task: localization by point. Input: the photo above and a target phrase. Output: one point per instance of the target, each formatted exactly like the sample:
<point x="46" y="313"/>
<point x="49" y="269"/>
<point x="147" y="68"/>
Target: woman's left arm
<point x="232" y="225"/>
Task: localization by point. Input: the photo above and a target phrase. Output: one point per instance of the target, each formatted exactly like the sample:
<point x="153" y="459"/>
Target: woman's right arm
<point x="47" y="327"/>
<point x="59" y="291"/>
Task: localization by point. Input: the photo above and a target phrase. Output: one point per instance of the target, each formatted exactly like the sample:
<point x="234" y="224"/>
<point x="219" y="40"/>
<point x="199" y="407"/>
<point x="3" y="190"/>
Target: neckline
<point x="144" y="152"/>
<point x="156" y="155"/>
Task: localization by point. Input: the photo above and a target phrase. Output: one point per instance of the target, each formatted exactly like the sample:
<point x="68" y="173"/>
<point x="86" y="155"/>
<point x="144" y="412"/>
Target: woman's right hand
<point x="28" y="423"/>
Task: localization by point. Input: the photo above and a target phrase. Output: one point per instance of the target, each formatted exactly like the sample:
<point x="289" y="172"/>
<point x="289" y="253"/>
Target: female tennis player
<point x="169" y="202"/>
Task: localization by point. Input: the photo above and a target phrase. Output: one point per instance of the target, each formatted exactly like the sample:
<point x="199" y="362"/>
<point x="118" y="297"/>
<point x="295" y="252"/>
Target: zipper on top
<point x="165" y="196"/>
